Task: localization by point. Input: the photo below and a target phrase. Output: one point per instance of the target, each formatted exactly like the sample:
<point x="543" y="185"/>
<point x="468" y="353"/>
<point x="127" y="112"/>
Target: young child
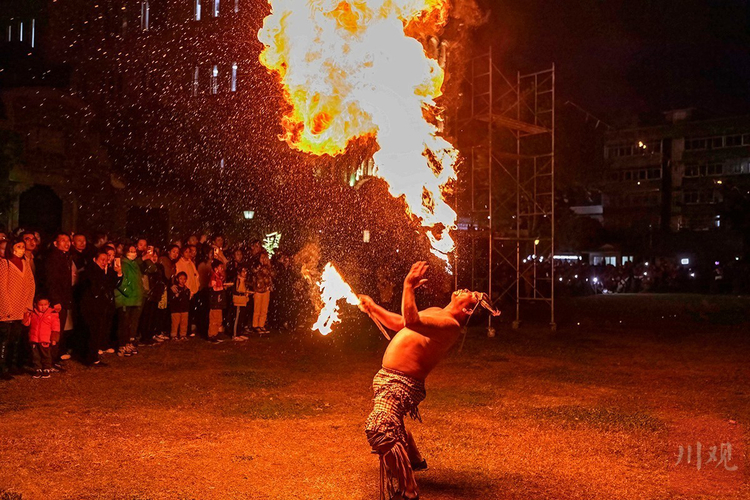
<point x="44" y="332"/>
<point x="240" y="298"/>
<point x="218" y="300"/>
<point x="179" y="306"/>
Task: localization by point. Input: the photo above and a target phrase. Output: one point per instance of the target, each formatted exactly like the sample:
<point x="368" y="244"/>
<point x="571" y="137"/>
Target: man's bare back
<point x="424" y="337"/>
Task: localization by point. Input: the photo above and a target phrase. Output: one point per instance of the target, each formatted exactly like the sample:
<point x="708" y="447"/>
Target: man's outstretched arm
<point x="389" y="319"/>
<point x="413" y="280"/>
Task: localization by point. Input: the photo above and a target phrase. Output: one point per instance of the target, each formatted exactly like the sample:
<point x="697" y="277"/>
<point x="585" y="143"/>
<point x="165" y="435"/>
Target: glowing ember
<point x="350" y="70"/>
<point x="332" y="289"/>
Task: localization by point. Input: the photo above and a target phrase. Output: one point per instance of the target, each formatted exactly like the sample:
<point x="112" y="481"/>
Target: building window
<point x="733" y="140"/>
<point x="10" y="33"/>
<point x="694" y="144"/>
<point x="236" y="6"/>
<point x="20" y="31"/>
<point x="215" y="79"/>
<point x="33" y="33"/>
<point x="145" y="11"/>
<point x="692" y="171"/>
<point x="746" y="139"/>
<point x="691" y="197"/>
<point x="197" y="10"/>
<point x="221" y="166"/>
<point x="216" y="8"/>
<point x="196" y="83"/>
<point x="234" y="78"/>
<point x="714" y="169"/>
<point x="717" y="142"/>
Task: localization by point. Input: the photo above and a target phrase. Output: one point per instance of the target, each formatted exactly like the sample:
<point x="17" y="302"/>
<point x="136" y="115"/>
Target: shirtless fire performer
<point x="423" y="339"/>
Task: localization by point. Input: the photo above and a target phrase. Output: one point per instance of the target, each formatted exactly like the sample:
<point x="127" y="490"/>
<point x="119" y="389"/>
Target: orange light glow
<point x="351" y="69"/>
<point x="332" y="289"/>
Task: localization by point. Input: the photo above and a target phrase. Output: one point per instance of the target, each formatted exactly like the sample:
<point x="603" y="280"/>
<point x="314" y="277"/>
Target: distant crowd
<point x="581" y="278"/>
<point x="84" y="298"/>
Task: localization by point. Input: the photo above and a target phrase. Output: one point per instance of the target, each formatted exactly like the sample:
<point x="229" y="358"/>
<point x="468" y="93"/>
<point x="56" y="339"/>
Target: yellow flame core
<point x="332" y="289"/>
<point x="349" y="69"/>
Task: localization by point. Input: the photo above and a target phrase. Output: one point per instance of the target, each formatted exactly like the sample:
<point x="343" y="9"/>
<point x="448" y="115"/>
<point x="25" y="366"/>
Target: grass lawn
<point x="587" y="412"/>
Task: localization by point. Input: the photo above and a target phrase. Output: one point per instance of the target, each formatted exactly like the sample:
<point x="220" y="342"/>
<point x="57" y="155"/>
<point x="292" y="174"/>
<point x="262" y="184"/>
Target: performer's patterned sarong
<point x="395" y="396"/>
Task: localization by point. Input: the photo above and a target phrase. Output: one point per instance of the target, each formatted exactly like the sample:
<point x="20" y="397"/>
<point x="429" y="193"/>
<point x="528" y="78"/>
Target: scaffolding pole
<point x="506" y="232"/>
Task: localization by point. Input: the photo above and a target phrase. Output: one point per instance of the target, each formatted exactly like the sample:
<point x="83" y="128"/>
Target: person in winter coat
<point x="186" y="264"/>
<point x="98" y="285"/>
<point x="240" y="298"/>
<point x="44" y="332"/>
<point x="17" y="289"/>
<point x="153" y="274"/>
<point x="179" y="306"/>
<point x="217" y="301"/>
<point x="169" y="261"/>
<point x="58" y="268"/>
<point x="262" y="285"/>
<point x="129" y="302"/>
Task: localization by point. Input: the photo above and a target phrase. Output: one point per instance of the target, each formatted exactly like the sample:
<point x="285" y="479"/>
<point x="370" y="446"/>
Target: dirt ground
<point x="585" y="413"/>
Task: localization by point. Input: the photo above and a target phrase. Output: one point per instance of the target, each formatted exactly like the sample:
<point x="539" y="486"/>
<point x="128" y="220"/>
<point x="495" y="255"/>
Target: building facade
<point x="684" y="176"/>
<point x="172" y="92"/>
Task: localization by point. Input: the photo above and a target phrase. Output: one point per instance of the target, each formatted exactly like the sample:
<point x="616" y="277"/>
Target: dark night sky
<point x="626" y="57"/>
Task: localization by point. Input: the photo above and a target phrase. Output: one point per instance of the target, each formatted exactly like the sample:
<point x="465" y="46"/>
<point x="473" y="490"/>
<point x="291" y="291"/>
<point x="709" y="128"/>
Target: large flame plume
<point x="350" y="69"/>
<point x="333" y="288"/>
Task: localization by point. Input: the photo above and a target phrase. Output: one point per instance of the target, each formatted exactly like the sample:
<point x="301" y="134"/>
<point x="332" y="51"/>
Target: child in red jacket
<point x="44" y="332"/>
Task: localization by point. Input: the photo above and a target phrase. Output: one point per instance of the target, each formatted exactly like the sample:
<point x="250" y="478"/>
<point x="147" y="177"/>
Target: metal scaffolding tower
<point x="507" y="216"/>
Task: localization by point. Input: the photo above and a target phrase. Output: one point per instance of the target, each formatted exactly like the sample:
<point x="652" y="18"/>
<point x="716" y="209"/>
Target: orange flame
<point x="349" y="69"/>
<point x="332" y="289"/>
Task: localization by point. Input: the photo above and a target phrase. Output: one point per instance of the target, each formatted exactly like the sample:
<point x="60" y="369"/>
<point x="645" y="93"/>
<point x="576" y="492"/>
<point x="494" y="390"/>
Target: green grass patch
<point x="255" y="379"/>
<point x="605" y="419"/>
<point x="275" y="409"/>
<point x="456" y="397"/>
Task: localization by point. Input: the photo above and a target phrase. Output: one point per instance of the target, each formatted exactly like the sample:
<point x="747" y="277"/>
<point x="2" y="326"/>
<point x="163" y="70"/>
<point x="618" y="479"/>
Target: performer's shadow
<point x="457" y="484"/>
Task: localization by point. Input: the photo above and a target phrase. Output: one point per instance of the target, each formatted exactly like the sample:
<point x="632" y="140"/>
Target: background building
<point x="161" y="99"/>
<point x="683" y="185"/>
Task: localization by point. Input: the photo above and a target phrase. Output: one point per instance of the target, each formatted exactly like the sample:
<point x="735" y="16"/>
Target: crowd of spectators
<point x="83" y="298"/>
<point x="659" y="276"/>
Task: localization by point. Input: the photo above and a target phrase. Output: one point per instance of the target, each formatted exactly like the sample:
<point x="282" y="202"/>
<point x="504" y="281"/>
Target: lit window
<point x="33" y="33"/>
<point x="10" y="33"/>
<point x="234" y="77"/>
<point x="195" y="82"/>
<point x="20" y="31"/>
<point x="197" y="10"/>
<point x="221" y="165"/>
<point x="215" y="79"/>
<point x="236" y="6"/>
<point x="145" y="10"/>
<point x="216" y="8"/>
